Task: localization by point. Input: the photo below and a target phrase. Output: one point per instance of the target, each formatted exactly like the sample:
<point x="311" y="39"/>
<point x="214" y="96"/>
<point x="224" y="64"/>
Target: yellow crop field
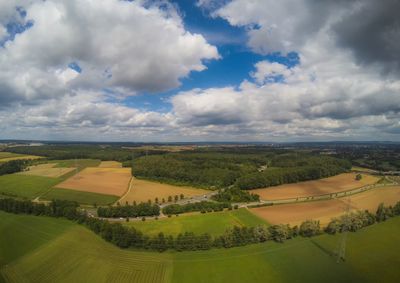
<point x="143" y="190"/>
<point x="339" y="183"/>
<point x="327" y="209"/>
<point x="109" y="181"/>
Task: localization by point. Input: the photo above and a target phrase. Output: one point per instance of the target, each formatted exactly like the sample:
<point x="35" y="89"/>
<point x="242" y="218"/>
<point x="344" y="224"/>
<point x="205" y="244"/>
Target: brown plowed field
<point x="143" y="190"/>
<point x="342" y="182"/>
<point x="109" y="181"/>
<point x="325" y="210"/>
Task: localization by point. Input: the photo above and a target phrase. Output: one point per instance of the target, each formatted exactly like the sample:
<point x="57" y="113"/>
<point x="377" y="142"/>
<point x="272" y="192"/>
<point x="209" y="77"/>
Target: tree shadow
<point x="323" y="249"/>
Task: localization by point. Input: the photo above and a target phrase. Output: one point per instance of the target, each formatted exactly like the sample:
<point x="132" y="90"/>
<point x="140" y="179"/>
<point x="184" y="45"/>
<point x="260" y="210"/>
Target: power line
<point x="341" y="247"/>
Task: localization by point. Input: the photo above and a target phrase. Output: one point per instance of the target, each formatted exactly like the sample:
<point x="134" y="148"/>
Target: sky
<point x="201" y="70"/>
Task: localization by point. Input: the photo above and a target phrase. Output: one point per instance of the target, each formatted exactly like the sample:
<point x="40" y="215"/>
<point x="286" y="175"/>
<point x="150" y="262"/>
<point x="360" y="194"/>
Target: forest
<point x="244" y="169"/>
<point x="14" y="166"/>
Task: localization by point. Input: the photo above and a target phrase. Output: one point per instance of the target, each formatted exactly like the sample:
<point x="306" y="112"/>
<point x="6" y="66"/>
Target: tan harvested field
<point x="110" y="164"/>
<point x="109" y="181"/>
<point x="325" y="210"/>
<point x="143" y="190"/>
<point x="339" y="183"/>
<point x="46" y="170"/>
<point x="20" y="157"/>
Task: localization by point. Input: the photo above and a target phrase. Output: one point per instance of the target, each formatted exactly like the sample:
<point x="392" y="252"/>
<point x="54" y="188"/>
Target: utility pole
<point x="76" y="166"/>
<point x="341" y="247"/>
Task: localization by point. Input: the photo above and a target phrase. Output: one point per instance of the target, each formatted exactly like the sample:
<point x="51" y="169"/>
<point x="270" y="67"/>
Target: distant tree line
<point x="85" y="151"/>
<point x="135" y="210"/>
<point x="241" y="170"/>
<point x="234" y="195"/>
<point x="202" y="206"/>
<point x="125" y="237"/>
<point x="14" y="166"/>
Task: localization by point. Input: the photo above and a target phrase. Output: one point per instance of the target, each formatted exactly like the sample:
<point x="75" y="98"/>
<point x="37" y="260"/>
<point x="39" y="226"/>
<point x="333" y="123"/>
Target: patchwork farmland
<point x="235" y="244"/>
<point x="31" y="248"/>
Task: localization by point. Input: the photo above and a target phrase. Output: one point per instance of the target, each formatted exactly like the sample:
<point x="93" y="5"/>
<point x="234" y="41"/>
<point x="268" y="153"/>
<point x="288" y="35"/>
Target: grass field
<point x="110" y="164"/>
<point x="110" y="181"/>
<point x="143" y="190"/>
<point x="47" y="170"/>
<point x="214" y="223"/>
<point x="8" y="156"/>
<point x="327" y="209"/>
<point x="342" y="182"/>
<point x="80" y="197"/>
<point x="40" y="249"/>
<point x="78" y="163"/>
<point x="25" y="186"/>
<point x="54" y="250"/>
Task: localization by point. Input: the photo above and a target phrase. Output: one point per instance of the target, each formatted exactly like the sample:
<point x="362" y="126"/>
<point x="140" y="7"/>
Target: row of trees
<point x="125" y="237"/>
<point x="203" y="206"/>
<point x="135" y="210"/>
<point x="13" y="166"/>
<point x="235" y="195"/>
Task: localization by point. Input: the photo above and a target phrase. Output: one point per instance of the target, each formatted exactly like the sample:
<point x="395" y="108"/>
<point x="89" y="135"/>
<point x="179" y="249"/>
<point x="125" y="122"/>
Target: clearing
<point x="41" y="249"/>
<point x="339" y="183"/>
<point x="327" y="209"/>
<point x="110" y="164"/>
<point x="213" y="223"/>
<point x="47" y="170"/>
<point x="108" y="181"/>
<point x="143" y="190"/>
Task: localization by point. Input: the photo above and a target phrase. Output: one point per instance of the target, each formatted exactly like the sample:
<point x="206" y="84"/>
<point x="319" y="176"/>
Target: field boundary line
<point x="127" y="191"/>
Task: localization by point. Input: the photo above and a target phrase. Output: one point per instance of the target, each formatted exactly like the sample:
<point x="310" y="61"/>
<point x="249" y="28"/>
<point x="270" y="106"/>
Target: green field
<point x="214" y="223"/>
<point x="80" y="163"/>
<point x="4" y="154"/>
<point x="54" y="250"/>
<point x="78" y="196"/>
<point x="25" y="186"/>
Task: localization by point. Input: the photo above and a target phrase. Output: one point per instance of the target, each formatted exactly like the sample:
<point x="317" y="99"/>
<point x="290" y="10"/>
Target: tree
<point x="176" y="198"/>
<point x="182" y="196"/>
<point x="381" y="213"/>
<point x="279" y="233"/>
<point x="309" y="228"/>
<point x="169" y="198"/>
<point x="358" y="177"/>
